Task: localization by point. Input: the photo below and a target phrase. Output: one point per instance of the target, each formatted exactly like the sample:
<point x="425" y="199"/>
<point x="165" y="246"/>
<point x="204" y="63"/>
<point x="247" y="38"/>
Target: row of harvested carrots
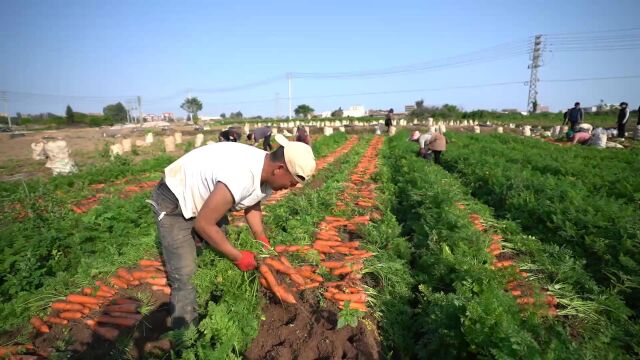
<point x="523" y="291"/>
<point x="341" y="259"/>
<point x="114" y="310"/>
<point x="89" y="203"/>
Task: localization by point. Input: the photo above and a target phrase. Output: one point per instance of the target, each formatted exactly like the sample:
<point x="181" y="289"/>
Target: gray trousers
<point x="179" y="241"/>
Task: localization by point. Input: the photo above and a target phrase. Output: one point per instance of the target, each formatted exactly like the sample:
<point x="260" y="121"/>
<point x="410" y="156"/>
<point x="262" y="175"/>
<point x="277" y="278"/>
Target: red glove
<point x="263" y="239"/>
<point x="247" y="262"/>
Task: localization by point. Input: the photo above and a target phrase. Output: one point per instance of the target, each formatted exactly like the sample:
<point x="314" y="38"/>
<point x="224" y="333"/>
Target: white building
<point x="324" y="114"/>
<point x="354" y="111"/>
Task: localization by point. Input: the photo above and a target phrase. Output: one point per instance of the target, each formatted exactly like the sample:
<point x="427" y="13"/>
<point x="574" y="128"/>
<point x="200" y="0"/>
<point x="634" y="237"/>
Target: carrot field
<point x="514" y="249"/>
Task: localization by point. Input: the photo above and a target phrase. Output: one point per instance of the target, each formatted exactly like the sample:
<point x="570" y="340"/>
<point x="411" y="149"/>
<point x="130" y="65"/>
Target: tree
<point x="223" y="116"/>
<point x="192" y="105"/>
<point x="236" y="115"/>
<point x="337" y="113"/>
<point x="304" y="110"/>
<point x="69" y="114"/>
<point x="116" y="112"/>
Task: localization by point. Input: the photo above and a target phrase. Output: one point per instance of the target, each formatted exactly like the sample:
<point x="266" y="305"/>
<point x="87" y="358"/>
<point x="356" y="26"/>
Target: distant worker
<point x="423" y="141"/>
<point x="261" y="133"/>
<point x="575" y="116"/>
<point x="623" y="116"/>
<point x="437" y="144"/>
<point x="580" y="137"/>
<point x="388" y="119"/>
<point x="231" y="134"/>
<point x="302" y="135"/>
<point x="638" y="123"/>
<point x="195" y="194"/>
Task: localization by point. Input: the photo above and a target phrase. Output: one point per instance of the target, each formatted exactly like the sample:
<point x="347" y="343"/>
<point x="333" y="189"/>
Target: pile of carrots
<point x="89" y="203"/>
<point x="524" y="292"/>
<point x="320" y="164"/>
<point x="102" y="304"/>
<point x="342" y="260"/>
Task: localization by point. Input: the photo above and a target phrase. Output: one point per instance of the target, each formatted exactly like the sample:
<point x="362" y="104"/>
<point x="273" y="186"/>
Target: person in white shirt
<point x="423" y="140"/>
<point x="200" y="188"/>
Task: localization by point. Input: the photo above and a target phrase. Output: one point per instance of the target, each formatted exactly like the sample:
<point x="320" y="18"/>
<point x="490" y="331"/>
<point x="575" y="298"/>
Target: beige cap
<point x="298" y="157"/>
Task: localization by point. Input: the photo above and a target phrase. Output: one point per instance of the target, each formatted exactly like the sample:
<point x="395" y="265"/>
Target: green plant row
<point x="602" y="231"/>
<point x="600" y="171"/>
<point x="463" y="309"/>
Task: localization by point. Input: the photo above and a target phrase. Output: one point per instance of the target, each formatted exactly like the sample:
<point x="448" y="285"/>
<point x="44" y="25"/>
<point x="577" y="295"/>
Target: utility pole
<point x="5" y="100"/>
<point x="277" y="112"/>
<point x="536" y="57"/>
<point x="139" y="99"/>
<point x="290" y="111"/>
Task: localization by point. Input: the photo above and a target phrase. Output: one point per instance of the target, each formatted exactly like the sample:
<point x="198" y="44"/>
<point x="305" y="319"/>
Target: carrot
<point x="328" y="295"/>
<point x="525" y="300"/>
<point x="323" y="249"/>
<point x="278" y="290"/>
<point x="354" y="290"/>
<point x="106" y="288"/>
<point x="351" y="244"/>
<point x="92" y="306"/>
<point x="85" y="311"/>
<point x="359" y="257"/>
<point x="39" y="325"/>
<point x="116" y="281"/>
<point x="280" y="248"/>
<point x="81" y="299"/>
<point x="155" y="281"/>
<point x="122" y="321"/>
<point x="505" y="263"/>
<point x="354" y="306"/>
<point x="278" y="266"/>
<point x="66" y="306"/>
<point x="134" y="282"/>
<point x="284" y="260"/>
<point x="298" y="279"/>
<point x="333" y="284"/>
<point x="136" y="317"/>
<point x="516" y="292"/>
<point x="56" y="320"/>
<point x="141" y="274"/>
<point x="359" y="297"/>
<point x="103" y="294"/>
<point x="327" y="243"/>
<point x="495" y="252"/>
<point x="553" y="311"/>
<point x="347" y="269"/>
<point x="309" y="286"/>
<point x="310" y="275"/>
<point x="87" y="291"/>
<point x="496" y="237"/>
<point x="327" y="237"/>
<point x="12" y="349"/>
<point x="263" y="282"/>
<point x="110" y="334"/>
<point x="145" y="262"/>
<point x="343" y="249"/>
<point x="332" y="264"/>
<point x="333" y="218"/>
<point x="130" y="308"/>
<point x="70" y="315"/>
<point x="361" y="219"/>
<point x="121" y="301"/>
<point x="164" y="288"/>
<point x="550" y="300"/>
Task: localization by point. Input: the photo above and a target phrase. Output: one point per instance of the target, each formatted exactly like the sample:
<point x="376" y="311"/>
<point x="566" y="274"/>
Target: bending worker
<point x="422" y="140"/>
<point x="260" y="134"/>
<point x="231" y="134"/>
<point x="199" y="189"/>
<point x="302" y="135"/>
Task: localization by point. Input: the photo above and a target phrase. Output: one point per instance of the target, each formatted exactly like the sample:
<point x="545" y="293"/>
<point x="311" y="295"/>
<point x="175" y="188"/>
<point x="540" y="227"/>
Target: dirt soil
<point x="307" y="330"/>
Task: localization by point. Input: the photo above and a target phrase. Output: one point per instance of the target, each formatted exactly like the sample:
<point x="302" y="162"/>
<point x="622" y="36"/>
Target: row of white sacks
<point x="341" y="123"/>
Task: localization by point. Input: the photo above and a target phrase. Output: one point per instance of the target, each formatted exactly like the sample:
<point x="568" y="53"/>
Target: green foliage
<point x="70" y="115"/>
<point x="337" y="113"/>
<point x="464" y="310"/>
<point x="192" y="105"/>
<point x="116" y="112"/>
<point x="304" y="110"/>
<point x="348" y="316"/>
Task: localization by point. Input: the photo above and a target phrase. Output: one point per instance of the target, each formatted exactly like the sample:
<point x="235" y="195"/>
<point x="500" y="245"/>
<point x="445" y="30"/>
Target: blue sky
<point x="105" y="51"/>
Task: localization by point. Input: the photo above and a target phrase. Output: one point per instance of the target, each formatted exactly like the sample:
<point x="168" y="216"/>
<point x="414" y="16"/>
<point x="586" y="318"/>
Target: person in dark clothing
<point x="260" y="134"/>
<point x="388" y="119"/>
<point x="575" y="116"/>
<point x="638" y="123"/>
<point x="230" y="134"/>
<point x="302" y="135"/>
<point x="623" y="116"/>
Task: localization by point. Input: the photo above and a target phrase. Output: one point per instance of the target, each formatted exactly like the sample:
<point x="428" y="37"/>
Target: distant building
<point x="510" y="110"/>
<point x="324" y="114"/>
<point x="542" y="108"/>
<point x="209" y="118"/>
<point x="167" y="116"/>
<point x="377" y="112"/>
<point x="409" y="108"/>
<point x="589" y="109"/>
<point x="354" y="111"/>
